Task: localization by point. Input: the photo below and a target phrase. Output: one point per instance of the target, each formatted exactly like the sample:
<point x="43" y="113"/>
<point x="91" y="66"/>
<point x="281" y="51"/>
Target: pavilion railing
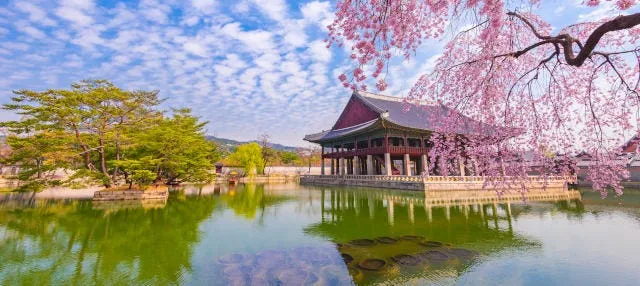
<point x="397" y="178"/>
<point x="395" y="150"/>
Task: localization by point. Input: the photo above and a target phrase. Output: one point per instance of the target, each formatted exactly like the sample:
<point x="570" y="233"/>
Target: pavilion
<point x="384" y="135"/>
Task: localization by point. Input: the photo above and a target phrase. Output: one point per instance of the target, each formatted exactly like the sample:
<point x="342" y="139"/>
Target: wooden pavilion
<point x="384" y="135"/>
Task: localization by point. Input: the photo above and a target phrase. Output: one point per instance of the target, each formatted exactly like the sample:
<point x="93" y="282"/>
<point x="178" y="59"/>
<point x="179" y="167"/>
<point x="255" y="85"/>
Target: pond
<point x="292" y="235"/>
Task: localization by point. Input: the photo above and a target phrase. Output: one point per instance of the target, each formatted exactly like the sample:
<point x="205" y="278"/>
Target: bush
<point x="143" y="178"/>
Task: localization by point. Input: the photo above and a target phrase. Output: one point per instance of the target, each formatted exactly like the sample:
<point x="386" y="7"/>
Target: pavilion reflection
<point x="374" y="226"/>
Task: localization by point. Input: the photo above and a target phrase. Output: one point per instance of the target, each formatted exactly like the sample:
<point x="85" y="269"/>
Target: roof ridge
<point x="367" y="94"/>
<point x="379" y="96"/>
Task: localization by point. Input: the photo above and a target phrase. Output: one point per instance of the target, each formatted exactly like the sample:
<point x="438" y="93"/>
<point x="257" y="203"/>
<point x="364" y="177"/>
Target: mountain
<point x="229" y="144"/>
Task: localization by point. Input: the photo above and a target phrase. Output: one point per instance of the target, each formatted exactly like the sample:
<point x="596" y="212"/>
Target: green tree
<point x="39" y="156"/>
<point x="287" y="157"/>
<point x="249" y="156"/>
<point x="269" y="155"/>
<point x="182" y="150"/>
<point x="94" y="113"/>
<point x="104" y="133"/>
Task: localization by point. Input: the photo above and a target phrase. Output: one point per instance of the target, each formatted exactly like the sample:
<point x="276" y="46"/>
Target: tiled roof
<point x="424" y="116"/>
<point x="336" y="133"/>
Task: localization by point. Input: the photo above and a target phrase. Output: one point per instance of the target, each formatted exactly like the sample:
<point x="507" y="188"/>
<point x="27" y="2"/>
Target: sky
<point x="248" y="67"/>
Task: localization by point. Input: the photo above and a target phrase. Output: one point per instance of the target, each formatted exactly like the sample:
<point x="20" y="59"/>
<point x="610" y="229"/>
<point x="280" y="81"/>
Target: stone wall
<point x="130" y="195"/>
<point x="415" y="183"/>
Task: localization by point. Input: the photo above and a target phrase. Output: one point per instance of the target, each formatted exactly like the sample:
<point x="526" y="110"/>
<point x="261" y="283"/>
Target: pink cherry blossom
<point x="529" y="91"/>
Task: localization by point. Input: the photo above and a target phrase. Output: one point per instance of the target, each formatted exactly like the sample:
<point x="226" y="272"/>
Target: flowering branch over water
<point x="552" y="95"/>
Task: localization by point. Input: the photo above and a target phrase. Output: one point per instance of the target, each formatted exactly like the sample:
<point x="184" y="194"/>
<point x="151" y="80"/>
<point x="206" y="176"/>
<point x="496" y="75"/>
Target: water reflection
<point x="261" y="234"/>
<point x="474" y="222"/>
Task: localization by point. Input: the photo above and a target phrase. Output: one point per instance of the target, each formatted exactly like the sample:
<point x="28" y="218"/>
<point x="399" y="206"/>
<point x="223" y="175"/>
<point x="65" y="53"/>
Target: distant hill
<point x="229" y="144"/>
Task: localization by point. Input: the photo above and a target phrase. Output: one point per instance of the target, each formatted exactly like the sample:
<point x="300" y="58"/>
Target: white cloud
<point x="195" y="48"/>
<point x="274" y="9"/>
<point x="36" y="14"/>
<point x="76" y="11"/>
<point x="319" y="51"/>
<point x="33" y="32"/>
<point x="205" y="6"/>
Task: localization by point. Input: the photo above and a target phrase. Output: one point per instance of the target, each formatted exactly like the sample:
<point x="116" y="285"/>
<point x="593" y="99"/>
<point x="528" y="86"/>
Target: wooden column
<point x="424" y="164"/>
<point x="333" y="166"/>
<point x="356" y="165"/>
<point x="370" y="168"/>
<point x="406" y="162"/>
<point x="461" y="166"/>
<point x="322" y="161"/>
<point x="424" y="159"/>
<point x="387" y="164"/>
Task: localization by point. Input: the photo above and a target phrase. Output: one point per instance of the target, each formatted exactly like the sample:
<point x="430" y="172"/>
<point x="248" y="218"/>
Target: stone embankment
<point x="124" y="195"/>
<point x="432" y="183"/>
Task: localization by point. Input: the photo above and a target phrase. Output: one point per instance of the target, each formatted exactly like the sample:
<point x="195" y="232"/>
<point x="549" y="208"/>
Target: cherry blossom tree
<point x="552" y="92"/>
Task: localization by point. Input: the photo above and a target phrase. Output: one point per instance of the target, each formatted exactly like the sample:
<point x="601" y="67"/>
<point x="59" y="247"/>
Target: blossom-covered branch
<point x="564" y="93"/>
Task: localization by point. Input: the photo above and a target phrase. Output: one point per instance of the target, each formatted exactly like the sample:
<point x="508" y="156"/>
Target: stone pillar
<point x="424" y="165"/>
<point x="356" y="166"/>
<point x="343" y="168"/>
<point x="406" y="164"/>
<point x="370" y="168"/>
<point x="387" y="164"/>
<point x="322" y="166"/>
<point x="461" y="166"/>
<point x="333" y="166"/>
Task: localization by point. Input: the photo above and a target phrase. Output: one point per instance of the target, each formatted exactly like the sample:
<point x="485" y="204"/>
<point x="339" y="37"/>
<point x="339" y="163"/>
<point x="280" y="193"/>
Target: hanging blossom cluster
<point x="509" y="86"/>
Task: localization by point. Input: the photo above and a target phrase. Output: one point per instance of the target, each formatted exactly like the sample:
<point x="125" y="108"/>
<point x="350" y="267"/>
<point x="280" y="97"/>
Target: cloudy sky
<point x="247" y="66"/>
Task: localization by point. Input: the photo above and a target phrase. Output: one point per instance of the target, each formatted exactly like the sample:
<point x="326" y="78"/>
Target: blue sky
<point x="248" y="66"/>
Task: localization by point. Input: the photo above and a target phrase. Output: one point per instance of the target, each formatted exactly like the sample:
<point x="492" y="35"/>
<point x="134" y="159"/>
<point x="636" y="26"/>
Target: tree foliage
<point x="575" y="89"/>
<point x="104" y="133"/>
<point x="249" y="157"/>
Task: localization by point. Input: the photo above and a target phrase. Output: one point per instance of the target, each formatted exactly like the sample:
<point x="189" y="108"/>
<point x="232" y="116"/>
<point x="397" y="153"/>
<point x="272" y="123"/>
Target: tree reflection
<point x="374" y="225"/>
<point x="61" y="242"/>
<point x="248" y="199"/>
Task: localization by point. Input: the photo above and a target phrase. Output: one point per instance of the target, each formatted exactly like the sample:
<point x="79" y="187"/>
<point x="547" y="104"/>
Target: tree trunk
<point x="85" y="149"/>
<point x="103" y="162"/>
<point x="115" y="169"/>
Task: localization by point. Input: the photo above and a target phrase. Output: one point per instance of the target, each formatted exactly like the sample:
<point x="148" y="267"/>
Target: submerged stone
<point x="386" y="240"/>
<point x="462" y="253"/>
<point x="406" y="259"/>
<point x="270" y="259"/>
<point x="433" y="256"/>
<point x="412" y="237"/>
<point x="296" y="276"/>
<point x="430" y="243"/>
<point x="236" y="270"/>
<point x="372" y="264"/>
<point x="233" y="258"/>
<point x="363" y="242"/>
<point x="347" y="258"/>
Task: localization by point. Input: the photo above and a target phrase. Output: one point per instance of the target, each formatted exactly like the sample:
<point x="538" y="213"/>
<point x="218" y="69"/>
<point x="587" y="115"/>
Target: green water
<point x="293" y="235"/>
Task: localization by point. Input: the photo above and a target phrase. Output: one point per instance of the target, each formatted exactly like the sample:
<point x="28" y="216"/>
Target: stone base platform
<point x="125" y="195"/>
<point x="432" y="183"/>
